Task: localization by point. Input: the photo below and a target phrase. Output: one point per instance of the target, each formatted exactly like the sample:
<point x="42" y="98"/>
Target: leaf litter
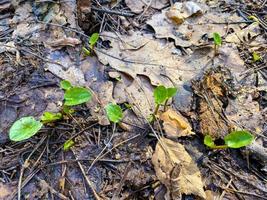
<point x="215" y="96"/>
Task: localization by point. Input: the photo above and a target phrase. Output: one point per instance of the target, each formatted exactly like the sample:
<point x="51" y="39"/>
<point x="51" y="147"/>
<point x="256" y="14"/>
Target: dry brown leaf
<point x="243" y="109"/>
<point x="61" y="42"/>
<point x="154" y="59"/>
<point x="191" y="32"/>
<point x="180" y="11"/>
<point x="6" y="191"/>
<point x="138" y="6"/>
<point x="140" y="95"/>
<point x="176" y="170"/>
<point x="246" y="35"/>
<point x="211" y="89"/>
<point x="175" y="125"/>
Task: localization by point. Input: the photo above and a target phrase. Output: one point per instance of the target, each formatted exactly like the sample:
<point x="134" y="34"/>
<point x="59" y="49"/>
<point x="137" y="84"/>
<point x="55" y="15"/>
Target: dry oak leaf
<point x="193" y="29"/>
<point x="175" y="125"/>
<point x="176" y="170"/>
<point x="152" y="58"/>
<point x="139" y="6"/>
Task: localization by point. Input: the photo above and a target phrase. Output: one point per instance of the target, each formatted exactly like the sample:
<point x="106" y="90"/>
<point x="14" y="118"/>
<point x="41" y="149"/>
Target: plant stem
<point x="156" y="110"/>
<point x="165" y="105"/>
<point x="219" y="147"/>
<point x="215" y="50"/>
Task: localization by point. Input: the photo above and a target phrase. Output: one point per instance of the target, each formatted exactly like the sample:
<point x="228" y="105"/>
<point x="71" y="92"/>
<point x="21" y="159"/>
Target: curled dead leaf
<point x="64" y="41"/>
<point x="175" y="125"/>
<point x="180" y="11"/>
<point x="176" y="170"/>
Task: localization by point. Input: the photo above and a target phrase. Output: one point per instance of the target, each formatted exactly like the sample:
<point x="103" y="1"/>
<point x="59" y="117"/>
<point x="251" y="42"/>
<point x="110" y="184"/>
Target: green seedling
<point x="92" y="42"/>
<point x="49" y="117"/>
<point x="24" y="128"/>
<point x="68" y="144"/>
<point x="162" y="95"/>
<point x="75" y="95"/>
<point x="217" y="42"/>
<point x="256" y="57"/>
<point x="114" y="113"/>
<point x="235" y="139"/>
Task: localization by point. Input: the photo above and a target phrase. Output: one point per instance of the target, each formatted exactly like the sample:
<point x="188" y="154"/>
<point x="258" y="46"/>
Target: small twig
<point x="113" y="12"/>
<point x="89" y="182"/>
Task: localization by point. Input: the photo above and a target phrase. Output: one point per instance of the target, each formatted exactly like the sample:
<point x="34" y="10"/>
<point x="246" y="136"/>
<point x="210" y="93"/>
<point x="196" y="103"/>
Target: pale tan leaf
<point x="180" y="11"/>
<point x="176" y="170"/>
<point x="64" y="41"/>
<point x="175" y="125"/>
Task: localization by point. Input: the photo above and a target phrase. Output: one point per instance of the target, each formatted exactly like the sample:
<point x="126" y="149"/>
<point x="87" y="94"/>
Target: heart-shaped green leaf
<point x="24" y="128"/>
<point x="114" y="112"/>
<point x="77" y="95"/>
<point x="50" y="117"/>
<point x="237" y="139"/>
<point x="161" y="94"/>
<point x="209" y="141"/>
<point x="65" y="85"/>
<point x="217" y="39"/>
<point x="171" y="92"/>
<point x="93" y="39"/>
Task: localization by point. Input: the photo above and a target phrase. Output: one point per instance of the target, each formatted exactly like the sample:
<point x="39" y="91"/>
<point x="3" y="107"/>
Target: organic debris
<point x="145" y="99"/>
<point x="176" y="170"/>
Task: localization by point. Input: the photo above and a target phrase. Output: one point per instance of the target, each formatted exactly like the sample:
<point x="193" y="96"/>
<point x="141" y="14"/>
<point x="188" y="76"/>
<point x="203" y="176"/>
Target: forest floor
<point x="143" y="44"/>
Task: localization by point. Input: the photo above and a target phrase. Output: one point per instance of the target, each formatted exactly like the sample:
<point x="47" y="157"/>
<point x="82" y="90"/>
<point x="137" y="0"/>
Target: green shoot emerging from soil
<point x="235" y="139"/>
<point x="49" y="117"/>
<point x="68" y="144"/>
<point x="256" y="57"/>
<point x="217" y="42"/>
<point x="114" y="113"/>
<point x="24" y="128"/>
<point x="27" y="127"/>
<point x="162" y="95"/>
<point x="92" y="41"/>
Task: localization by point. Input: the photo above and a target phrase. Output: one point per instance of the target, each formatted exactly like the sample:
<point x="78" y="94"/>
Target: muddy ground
<point x="143" y="44"/>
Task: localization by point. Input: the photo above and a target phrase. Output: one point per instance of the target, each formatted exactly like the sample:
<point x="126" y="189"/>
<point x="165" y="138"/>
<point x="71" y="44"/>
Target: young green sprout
<point x="92" y="41"/>
<point x="217" y="42"/>
<point x="256" y="57"/>
<point x="235" y="139"/>
<point x="162" y="95"/>
<point x="49" y="117"/>
<point x="68" y="144"/>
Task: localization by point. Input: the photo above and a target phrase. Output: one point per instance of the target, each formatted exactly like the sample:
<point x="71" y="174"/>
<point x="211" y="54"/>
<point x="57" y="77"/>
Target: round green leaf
<point x="77" y="95"/>
<point x="114" y="112"/>
<point x="160" y="94"/>
<point x="65" y="85"/>
<point x="237" y="139"/>
<point x="217" y="39"/>
<point x="24" y="128"/>
<point x="208" y="141"/>
<point x="50" y="117"/>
